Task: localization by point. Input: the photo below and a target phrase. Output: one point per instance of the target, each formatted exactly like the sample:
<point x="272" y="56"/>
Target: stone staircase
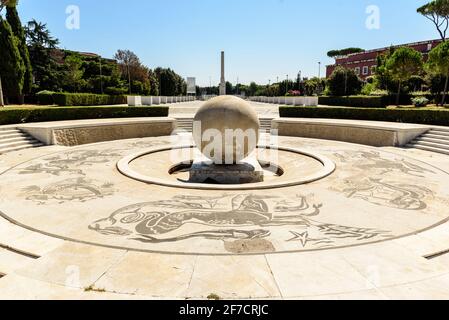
<point x="434" y="140"/>
<point x="12" y="139"/>
<point x="186" y="124"/>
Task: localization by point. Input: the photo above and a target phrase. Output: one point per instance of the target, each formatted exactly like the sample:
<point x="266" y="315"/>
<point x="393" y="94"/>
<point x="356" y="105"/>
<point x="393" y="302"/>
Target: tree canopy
<point x="40" y="46"/>
<point x="403" y="64"/>
<point x="438" y="64"/>
<point x="344" y="82"/>
<point x="437" y="11"/>
<point x="132" y="70"/>
<point x="12" y="68"/>
<point x="12" y="16"/>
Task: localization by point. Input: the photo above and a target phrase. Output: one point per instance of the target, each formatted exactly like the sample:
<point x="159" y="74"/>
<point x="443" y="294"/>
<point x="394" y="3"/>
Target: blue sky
<point x="263" y="39"/>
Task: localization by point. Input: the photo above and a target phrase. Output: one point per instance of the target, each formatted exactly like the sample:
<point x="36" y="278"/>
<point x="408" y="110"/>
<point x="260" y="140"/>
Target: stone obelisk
<point x="222" y="79"/>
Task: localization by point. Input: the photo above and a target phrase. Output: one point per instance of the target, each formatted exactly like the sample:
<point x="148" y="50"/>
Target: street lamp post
<point x="2" y="103"/>
<point x="286" y="86"/>
<point x="319" y="77"/>
<point x="101" y="77"/>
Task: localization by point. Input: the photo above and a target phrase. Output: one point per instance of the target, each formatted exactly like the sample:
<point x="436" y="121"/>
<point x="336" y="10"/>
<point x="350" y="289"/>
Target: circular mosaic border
<point x="293" y="237"/>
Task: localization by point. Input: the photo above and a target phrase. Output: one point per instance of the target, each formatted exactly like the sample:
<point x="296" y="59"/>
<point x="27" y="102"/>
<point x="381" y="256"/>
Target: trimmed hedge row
<point x="78" y="99"/>
<point x="355" y="101"/>
<point x="418" y="116"/>
<point x="43" y="114"/>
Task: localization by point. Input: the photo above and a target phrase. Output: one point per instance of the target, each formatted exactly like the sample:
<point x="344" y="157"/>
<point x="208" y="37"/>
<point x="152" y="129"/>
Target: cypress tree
<point x="12" y="67"/>
<point x="12" y="16"/>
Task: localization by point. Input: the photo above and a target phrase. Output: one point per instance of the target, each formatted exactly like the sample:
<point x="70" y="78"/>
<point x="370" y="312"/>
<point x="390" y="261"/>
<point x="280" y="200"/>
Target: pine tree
<point x="12" y="16"/>
<point x="12" y="68"/>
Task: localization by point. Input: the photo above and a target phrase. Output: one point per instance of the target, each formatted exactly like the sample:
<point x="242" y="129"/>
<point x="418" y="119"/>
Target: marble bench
<point x="372" y="133"/>
<point x="138" y="101"/>
<point x="78" y="132"/>
<point x="292" y="101"/>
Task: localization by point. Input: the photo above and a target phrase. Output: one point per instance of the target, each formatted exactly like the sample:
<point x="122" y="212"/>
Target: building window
<point x="373" y="69"/>
<point x="365" y="70"/>
<point x="357" y="71"/>
<point x="429" y="47"/>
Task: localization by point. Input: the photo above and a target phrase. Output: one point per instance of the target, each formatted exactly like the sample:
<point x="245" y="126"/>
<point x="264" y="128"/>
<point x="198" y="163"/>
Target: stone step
<point x="430" y="144"/>
<point x="431" y="149"/>
<point x="433" y="140"/>
<point x="8" y="127"/>
<point x="435" y="136"/>
<point x="441" y="129"/>
<point x="11" y="135"/>
<point x="10" y="131"/>
<point x="4" y="144"/>
<point x="21" y="138"/>
<point x="439" y="132"/>
<point x="186" y="124"/>
<point x="22" y="147"/>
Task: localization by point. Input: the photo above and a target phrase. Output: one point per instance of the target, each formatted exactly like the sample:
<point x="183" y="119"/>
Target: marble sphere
<point x="218" y="128"/>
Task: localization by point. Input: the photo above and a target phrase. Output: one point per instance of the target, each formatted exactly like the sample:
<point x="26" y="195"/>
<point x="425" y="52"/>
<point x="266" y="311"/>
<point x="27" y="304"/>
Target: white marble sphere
<point x="224" y="119"/>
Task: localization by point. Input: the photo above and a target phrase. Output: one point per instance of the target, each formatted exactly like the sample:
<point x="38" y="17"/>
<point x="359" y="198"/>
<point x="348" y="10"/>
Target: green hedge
<point x="42" y="114"/>
<point x="419" y="116"/>
<point x="79" y="99"/>
<point x="45" y="98"/>
<point x="355" y="101"/>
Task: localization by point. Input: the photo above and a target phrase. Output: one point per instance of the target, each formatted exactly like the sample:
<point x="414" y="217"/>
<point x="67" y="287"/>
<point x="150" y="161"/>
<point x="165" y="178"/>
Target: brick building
<point x="364" y="64"/>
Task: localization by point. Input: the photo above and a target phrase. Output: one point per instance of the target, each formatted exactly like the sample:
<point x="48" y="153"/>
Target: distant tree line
<point x="32" y="62"/>
<point x="300" y="86"/>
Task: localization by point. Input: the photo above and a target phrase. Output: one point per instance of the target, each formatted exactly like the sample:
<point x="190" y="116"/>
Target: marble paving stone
<point x="438" y="235"/>
<point x="10" y="261"/>
<point x="373" y="294"/>
<point x="311" y="274"/>
<point x="432" y="289"/>
<point x="442" y="259"/>
<point x="232" y="277"/>
<point x="153" y="275"/>
<point x="73" y="265"/>
<point x="16" y="287"/>
<point x="389" y="264"/>
<point x="419" y="245"/>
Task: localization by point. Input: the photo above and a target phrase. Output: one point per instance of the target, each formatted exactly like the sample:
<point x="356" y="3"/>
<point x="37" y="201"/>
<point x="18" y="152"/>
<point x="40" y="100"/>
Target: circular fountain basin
<point x="283" y="167"/>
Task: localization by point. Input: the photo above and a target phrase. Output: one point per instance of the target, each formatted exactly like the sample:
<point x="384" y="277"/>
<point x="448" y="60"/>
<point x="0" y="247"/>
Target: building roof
<point x="370" y="55"/>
